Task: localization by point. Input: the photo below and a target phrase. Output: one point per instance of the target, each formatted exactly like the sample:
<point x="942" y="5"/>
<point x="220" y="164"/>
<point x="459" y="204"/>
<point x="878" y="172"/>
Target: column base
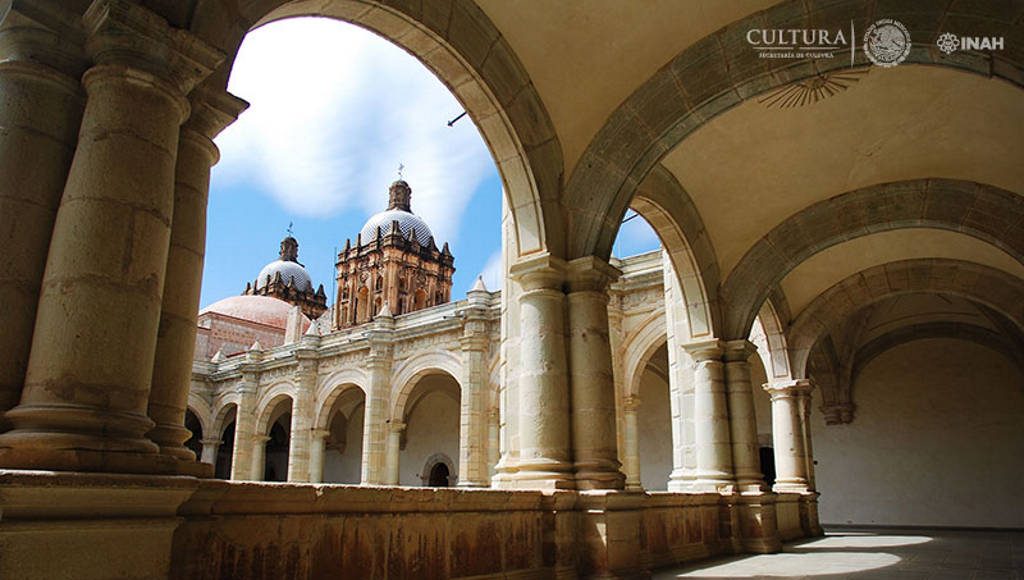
<point x="91" y="461"/>
<point x="542" y="474"/>
<point x="171" y="440"/>
<point x="599" y="475"/>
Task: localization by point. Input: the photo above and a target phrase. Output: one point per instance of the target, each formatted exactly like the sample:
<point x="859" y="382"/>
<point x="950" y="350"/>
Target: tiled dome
<point x="261" y="309"/>
<point x="289" y="270"/>
<point x="407" y="222"/>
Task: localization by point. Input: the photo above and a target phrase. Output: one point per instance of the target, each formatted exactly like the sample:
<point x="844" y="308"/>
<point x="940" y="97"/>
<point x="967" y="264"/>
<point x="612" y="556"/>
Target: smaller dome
<point x="289" y="271"/>
<point x="407" y="222"/>
<point x="260" y="309"/>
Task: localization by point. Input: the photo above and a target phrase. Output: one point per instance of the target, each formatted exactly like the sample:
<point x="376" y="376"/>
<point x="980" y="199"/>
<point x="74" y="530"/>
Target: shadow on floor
<point x="890" y="554"/>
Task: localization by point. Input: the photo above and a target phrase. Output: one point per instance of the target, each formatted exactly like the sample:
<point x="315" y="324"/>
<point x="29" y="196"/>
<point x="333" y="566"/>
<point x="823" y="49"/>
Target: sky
<point x="334" y="110"/>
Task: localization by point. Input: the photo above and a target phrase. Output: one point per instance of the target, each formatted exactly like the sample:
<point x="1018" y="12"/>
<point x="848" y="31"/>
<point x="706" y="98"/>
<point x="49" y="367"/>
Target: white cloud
<point x="334" y="110"/>
<point x="492" y="273"/>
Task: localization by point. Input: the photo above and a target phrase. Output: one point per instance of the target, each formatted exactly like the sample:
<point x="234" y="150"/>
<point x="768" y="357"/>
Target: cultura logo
<point x="887" y="42"/>
<point x="949" y="43"/>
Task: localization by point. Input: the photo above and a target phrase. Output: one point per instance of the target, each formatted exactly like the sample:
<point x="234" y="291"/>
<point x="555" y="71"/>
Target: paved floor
<point x="879" y="554"/>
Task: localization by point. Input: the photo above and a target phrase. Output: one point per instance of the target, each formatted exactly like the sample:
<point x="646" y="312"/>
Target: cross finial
<point x="401" y="167"/>
<point x="290" y="224"/>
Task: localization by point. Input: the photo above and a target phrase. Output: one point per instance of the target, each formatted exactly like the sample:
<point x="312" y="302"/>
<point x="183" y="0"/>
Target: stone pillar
<point x="210" y="448"/>
<point x="711" y="419"/>
<point x="594" y="440"/>
<point x="317" y="450"/>
<point x="474" y="390"/>
<point x="41" y="103"/>
<point x="378" y="400"/>
<point x="631" y="443"/>
<point x="680" y="384"/>
<point x="85" y="400"/>
<point x="493" y="440"/>
<point x="245" y="427"/>
<point x="258" y="468"/>
<point x="301" y="438"/>
<point x="544" y="419"/>
<point x="788" y="397"/>
<point x="746" y="460"/>
<point x="176" y="337"/>
<point x="395" y="430"/>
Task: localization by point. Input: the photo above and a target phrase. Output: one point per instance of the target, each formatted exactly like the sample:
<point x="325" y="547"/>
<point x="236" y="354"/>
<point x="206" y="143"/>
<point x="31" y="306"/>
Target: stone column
<point x="474" y="390"/>
<point x="595" y="445"/>
<point x="711" y="419"/>
<point x="86" y="394"/>
<point x="258" y="469"/>
<point x="176" y="337"/>
<point x="210" y="448"/>
<point x="245" y="426"/>
<point x="493" y="440"/>
<point x="317" y="450"/>
<point x="544" y="419"/>
<point x="395" y="430"/>
<point x="680" y="384"/>
<point x="742" y="421"/>
<point x="301" y="438"/>
<point x="41" y="103"/>
<point x="788" y="397"/>
<point x="378" y="400"/>
<point x="631" y="442"/>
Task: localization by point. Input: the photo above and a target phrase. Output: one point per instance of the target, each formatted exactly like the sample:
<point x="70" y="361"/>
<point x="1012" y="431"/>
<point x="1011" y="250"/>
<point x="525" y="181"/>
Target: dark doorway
<point x="194" y="442"/>
<point x="439" y="475"/>
<point x="768" y="465"/>
<point x="222" y="469"/>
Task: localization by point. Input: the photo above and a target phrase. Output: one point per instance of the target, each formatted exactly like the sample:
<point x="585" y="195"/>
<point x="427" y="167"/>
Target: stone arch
<point x="326" y="405"/>
<point x="771" y="346"/>
<point x="975" y="209"/>
<point x="721" y="71"/>
<point x="458" y="43"/>
<point x="638" y="348"/>
<point x="985" y="285"/>
<point x="223" y="406"/>
<point x="986" y="337"/>
<point x="201" y="409"/>
<point x="269" y="401"/>
<point x="443" y="459"/>
<point x="408" y="374"/>
<point x="667" y="207"/>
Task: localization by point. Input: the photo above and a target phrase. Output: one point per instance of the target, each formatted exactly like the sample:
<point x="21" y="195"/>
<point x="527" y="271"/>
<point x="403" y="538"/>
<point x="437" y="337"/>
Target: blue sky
<point x="334" y="111"/>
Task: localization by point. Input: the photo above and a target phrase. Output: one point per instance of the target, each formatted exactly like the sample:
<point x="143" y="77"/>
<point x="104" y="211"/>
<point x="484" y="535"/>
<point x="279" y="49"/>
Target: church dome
<point x="407" y="222"/>
<point x="399" y="210"/>
<point x="289" y="271"/>
<point x="261" y="309"/>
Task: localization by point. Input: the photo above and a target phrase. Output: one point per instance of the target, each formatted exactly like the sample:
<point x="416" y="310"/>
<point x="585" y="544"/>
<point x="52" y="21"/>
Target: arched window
<point x="380" y="283"/>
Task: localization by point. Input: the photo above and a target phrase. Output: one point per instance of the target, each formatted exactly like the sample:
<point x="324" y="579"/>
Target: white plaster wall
<point x="937" y="441"/>
<point x="345" y="467"/>
<point x="655" y="431"/>
<point x="433" y="427"/>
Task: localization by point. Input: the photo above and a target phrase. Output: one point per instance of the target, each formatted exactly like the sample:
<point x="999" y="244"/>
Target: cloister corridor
<point x="878" y="554"/>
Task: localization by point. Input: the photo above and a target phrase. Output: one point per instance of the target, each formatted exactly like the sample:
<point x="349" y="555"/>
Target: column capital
<point x="590" y="274"/>
<point x="631" y="402"/>
<point x="45" y="32"/>
<point x="540" y="272"/>
<point x="838" y="413"/>
<point x="790" y="388"/>
<point x="739" y="350"/>
<point x="396" y="426"/>
<point x="124" y="33"/>
<point x="705" y="350"/>
<point x="208" y="442"/>
<point x="320" y="433"/>
<point x="261" y="439"/>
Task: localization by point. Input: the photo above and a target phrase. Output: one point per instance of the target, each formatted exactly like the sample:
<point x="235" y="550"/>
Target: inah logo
<point x="887" y="42"/>
<point x="950" y="43"/>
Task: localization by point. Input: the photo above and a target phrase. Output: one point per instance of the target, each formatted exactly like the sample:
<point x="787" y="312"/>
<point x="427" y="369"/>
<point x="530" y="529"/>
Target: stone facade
<point x="394" y="264"/>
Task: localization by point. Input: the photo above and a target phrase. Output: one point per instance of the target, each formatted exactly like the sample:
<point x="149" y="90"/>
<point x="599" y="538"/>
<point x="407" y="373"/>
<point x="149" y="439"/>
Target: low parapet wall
<point x="106" y="526"/>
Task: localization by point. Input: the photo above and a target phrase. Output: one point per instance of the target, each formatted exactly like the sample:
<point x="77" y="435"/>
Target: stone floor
<point x="861" y="554"/>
